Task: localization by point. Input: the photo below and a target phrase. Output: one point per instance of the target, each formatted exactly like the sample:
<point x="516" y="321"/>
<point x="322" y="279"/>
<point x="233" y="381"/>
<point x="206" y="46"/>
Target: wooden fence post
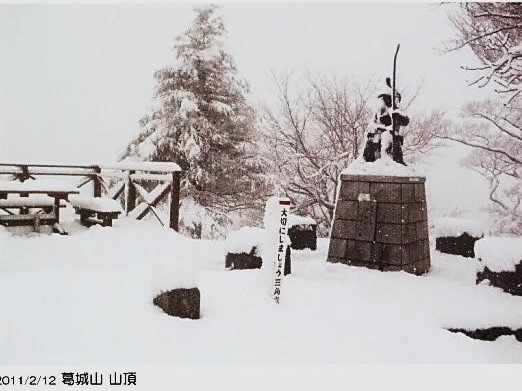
<point x="174" y="201"/>
<point x="96" y="180"/>
<point x="131" y="194"/>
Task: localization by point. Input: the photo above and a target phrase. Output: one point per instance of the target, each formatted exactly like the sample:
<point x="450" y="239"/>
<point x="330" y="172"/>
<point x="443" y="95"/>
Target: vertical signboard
<point x="280" y="246"/>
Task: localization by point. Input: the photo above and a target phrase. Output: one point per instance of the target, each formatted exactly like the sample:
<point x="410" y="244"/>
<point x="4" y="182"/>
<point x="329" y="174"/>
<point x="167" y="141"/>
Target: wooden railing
<point x="140" y="186"/>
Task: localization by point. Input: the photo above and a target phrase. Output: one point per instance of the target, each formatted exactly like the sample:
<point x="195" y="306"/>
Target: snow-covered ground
<point x="87" y="298"/>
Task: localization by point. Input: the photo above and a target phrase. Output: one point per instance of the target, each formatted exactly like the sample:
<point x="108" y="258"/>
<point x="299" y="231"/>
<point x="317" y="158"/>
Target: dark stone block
<point x="358" y="250"/>
<point x="408" y="192"/>
<point x="418" y="268"/>
<point x="243" y="261"/>
<point x="386" y="192"/>
<point x="347" y="210"/>
<point x="335" y="259"/>
<point x="420" y="192"/>
<point x="391" y="213"/>
<point x="424" y="212"/>
<point x="303" y="236"/>
<point x="337" y="248"/>
<point x="409" y="233"/>
<point x="422" y="230"/>
<point x="393" y="254"/>
<point x="424" y="248"/>
<point x="508" y="281"/>
<point x="388" y="233"/>
<point x="344" y="229"/>
<point x="350" y="190"/>
<point x="458" y="245"/>
<point x="415" y="212"/>
<point x="365" y="227"/>
<point x="181" y="302"/>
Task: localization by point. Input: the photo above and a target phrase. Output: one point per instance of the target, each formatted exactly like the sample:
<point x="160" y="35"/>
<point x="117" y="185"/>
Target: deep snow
<point x="87" y="298"/>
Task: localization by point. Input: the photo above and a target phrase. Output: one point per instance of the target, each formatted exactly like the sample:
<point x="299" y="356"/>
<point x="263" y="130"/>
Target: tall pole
<point x="394" y="105"/>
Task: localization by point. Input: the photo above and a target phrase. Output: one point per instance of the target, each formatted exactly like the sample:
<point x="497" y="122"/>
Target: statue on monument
<point x="384" y="132"/>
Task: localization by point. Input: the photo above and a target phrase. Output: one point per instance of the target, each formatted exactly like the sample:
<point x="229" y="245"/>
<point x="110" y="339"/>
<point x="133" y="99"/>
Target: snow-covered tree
<point x="495" y="133"/>
<point x="494" y="32"/>
<point x="203" y="122"/>
<point x="494" y="128"/>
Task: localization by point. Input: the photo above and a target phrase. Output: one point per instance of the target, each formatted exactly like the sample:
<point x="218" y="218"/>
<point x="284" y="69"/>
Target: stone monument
<point x="380" y="219"/>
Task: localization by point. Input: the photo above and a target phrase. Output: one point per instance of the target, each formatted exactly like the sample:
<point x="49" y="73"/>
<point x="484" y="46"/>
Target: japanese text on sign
<point x="280" y="250"/>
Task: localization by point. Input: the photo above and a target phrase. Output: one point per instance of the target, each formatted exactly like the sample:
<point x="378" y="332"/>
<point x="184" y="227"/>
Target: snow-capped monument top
<point x="384" y="131"/>
<point x="383" y="135"/>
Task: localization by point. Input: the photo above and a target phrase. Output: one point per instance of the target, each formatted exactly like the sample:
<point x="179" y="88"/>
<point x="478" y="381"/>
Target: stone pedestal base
<point x="381" y="223"/>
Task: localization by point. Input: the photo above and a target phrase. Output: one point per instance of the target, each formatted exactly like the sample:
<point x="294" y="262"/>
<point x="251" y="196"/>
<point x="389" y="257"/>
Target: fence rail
<point x="140" y="186"/>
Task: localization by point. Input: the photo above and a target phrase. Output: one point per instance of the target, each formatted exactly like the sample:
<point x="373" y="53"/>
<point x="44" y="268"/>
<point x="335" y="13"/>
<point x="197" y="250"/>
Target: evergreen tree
<point x="202" y="121"/>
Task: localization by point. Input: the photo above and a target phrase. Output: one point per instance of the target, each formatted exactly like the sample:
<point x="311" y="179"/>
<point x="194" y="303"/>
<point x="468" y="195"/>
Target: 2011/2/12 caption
<point x="70" y="379"/>
<point x="29" y="380"/>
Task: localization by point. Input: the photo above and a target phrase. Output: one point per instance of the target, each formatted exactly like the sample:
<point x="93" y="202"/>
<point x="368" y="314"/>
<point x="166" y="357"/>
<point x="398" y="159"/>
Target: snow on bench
<point x="96" y="204"/>
<point x="105" y="209"/>
<point x="36" y="186"/>
<point x="34" y="201"/>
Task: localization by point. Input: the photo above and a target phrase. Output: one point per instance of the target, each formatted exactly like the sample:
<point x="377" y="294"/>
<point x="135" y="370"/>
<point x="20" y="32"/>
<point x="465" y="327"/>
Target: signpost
<point x="280" y="246"/>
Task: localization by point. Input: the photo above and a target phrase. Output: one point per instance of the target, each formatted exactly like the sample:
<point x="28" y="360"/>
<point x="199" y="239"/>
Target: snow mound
<point x="454" y="226"/>
<point x="242" y="240"/>
<point x="384" y="166"/>
<point x="499" y="253"/>
<point x="300" y="220"/>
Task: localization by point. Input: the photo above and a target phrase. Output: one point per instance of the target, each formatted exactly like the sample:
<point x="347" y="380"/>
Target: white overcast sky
<point x="75" y="79"/>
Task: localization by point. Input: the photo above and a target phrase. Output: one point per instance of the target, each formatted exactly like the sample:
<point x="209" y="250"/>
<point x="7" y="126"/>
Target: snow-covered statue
<point x="383" y="135"/>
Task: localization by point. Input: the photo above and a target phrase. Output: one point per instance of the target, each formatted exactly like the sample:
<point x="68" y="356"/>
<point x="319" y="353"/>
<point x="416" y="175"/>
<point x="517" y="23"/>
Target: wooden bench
<point x="36" y="201"/>
<point x="96" y="210"/>
<point x="23" y="204"/>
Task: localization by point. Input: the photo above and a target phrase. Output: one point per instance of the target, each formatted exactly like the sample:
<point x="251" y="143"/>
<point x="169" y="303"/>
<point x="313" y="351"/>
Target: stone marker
<point x="243" y="260"/>
<point x="181" y="302"/>
<point x="381" y="223"/>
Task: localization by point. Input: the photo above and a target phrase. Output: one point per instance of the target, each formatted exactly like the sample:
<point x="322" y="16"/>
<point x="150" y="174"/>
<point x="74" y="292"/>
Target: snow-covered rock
<point x="499" y="253"/>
